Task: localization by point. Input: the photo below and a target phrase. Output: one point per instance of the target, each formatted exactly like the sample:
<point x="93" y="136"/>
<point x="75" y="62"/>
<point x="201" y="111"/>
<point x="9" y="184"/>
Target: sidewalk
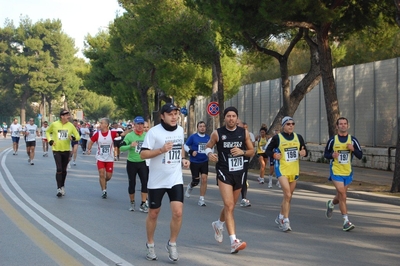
<point x="373" y="176"/>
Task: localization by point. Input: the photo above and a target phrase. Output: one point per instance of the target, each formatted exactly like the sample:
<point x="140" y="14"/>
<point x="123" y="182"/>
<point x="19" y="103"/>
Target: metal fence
<point x="368" y="96"/>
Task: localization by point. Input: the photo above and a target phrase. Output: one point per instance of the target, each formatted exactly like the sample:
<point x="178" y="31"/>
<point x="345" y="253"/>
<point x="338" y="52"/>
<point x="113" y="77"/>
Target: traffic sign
<point x="213" y="108"/>
<point x="184" y="111"/>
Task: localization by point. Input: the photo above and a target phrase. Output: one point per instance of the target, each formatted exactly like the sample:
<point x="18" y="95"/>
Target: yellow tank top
<point x="289" y="162"/>
<point x="262" y="142"/>
<point x="342" y="165"/>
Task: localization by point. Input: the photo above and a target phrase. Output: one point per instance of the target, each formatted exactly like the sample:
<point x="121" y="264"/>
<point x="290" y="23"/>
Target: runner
<point x="104" y="155"/>
<point x="262" y="157"/>
<point x="45" y="143"/>
<point x="60" y="134"/>
<point x="4" y="128"/>
<point x="15" y="129"/>
<point x="195" y="146"/>
<point x="163" y="144"/>
<point x="245" y="202"/>
<point x="233" y="145"/>
<point x="286" y="147"/>
<point x="31" y="131"/>
<point x="135" y="165"/>
<point x="340" y="150"/>
<point x="85" y="136"/>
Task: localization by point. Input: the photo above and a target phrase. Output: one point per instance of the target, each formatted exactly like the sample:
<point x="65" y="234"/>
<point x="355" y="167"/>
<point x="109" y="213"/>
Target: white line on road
<point x="73" y="245"/>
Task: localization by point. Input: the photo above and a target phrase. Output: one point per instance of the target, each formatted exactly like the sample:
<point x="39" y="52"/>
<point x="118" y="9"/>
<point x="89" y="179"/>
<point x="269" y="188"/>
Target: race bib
<point x="138" y="146"/>
<point x="202" y="148"/>
<point x="105" y="149"/>
<point x="15" y="133"/>
<point x="235" y="163"/>
<point x="291" y="154"/>
<point x="63" y="134"/>
<point x="344" y="157"/>
<point x="173" y="156"/>
<point x="31" y="132"/>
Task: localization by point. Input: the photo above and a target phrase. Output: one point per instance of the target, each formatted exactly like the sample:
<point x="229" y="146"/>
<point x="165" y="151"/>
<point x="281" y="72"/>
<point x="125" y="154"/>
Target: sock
<point x="221" y="224"/>
<point x="232" y="238"/>
<point x="345" y="218"/>
<point x="201" y="197"/>
<point x="171" y="243"/>
<point x="270" y="179"/>
<point x="285" y="220"/>
<point x="331" y="205"/>
<point x="280" y="216"/>
<point x="132" y="202"/>
<point x="104" y="190"/>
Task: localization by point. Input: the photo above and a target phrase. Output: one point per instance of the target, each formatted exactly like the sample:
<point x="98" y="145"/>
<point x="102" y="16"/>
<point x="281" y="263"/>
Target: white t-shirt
<point x="31" y="129"/>
<point x="85" y="133"/>
<point x="15" y="130"/>
<point x="165" y="170"/>
<point x="44" y="129"/>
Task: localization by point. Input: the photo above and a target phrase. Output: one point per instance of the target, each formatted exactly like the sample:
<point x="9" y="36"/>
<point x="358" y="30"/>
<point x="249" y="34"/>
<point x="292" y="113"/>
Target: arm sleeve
<point x="302" y="144"/>
<point x="357" y="148"/>
<point x="329" y="149"/>
<point x="272" y="145"/>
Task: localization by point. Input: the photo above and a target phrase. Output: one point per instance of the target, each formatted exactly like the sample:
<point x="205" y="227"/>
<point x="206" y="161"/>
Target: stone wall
<point x="376" y="158"/>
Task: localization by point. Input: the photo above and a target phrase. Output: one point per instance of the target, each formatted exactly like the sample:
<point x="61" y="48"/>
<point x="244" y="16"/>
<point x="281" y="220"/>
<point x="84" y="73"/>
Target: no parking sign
<point x="213" y="108"/>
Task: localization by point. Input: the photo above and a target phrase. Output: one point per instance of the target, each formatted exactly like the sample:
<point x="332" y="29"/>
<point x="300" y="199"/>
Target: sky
<point x="78" y="17"/>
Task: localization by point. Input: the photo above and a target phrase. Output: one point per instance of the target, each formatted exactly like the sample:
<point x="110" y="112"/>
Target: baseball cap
<point x="64" y="112"/>
<point x="138" y="120"/>
<point x="168" y="107"/>
<point x="286" y="119"/>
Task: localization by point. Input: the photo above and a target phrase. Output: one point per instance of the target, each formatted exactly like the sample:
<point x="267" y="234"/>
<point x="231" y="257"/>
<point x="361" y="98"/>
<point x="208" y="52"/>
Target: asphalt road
<point x="37" y="228"/>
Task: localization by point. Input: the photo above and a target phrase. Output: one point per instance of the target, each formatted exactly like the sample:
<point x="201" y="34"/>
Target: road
<point x="37" y="228"/>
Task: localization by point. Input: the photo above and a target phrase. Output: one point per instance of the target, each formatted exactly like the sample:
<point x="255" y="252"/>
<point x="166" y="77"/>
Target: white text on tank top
<point x="234" y="163"/>
<point x="105" y="147"/>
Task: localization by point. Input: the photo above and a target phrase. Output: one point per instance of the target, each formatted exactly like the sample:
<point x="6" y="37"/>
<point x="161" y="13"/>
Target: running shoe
<point x="69" y="165"/>
<point x="245" y="203"/>
<point x="29" y="161"/>
<point x="286" y="227"/>
<point x="104" y="195"/>
<point x="151" y="254"/>
<point x="74" y="163"/>
<point x="201" y="203"/>
<point x="347" y="226"/>
<point x="189" y="190"/>
<point x="132" y="208"/>
<point x="270" y="184"/>
<point x="144" y="208"/>
<point x="218" y="232"/>
<point x="260" y="180"/>
<point x="172" y="251"/>
<point x="278" y="184"/>
<point x="32" y="163"/>
<point x="59" y="194"/>
<point x="329" y="209"/>
<point x="237" y="245"/>
<point x="279" y="222"/>
<point x="62" y="191"/>
<point x="115" y="158"/>
<point x="83" y="152"/>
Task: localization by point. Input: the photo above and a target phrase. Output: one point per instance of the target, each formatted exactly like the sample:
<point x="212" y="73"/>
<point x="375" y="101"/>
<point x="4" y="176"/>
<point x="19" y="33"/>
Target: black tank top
<point x="226" y="141"/>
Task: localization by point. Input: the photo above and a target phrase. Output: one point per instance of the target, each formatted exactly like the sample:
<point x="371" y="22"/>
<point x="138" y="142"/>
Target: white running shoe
<point x="286" y="227"/>
<point x="237" y="245"/>
<point x="245" y="203"/>
<point x="270" y="184"/>
<point x="172" y="251"/>
<point x="151" y="254"/>
<point x="189" y="190"/>
<point x="201" y="203"/>
<point x="59" y="194"/>
<point x="132" y="208"/>
<point x="260" y="180"/>
<point x="62" y="191"/>
<point x="74" y="163"/>
<point x="279" y="222"/>
<point x="218" y="232"/>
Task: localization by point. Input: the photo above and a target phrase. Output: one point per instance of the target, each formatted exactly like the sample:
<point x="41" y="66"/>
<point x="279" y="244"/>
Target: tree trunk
<point x="191" y="127"/>
<point x="24" y="101"/>
<point x="328" y="81"/>
<point x="50" y="111"/>
<point x="145" y="101"/>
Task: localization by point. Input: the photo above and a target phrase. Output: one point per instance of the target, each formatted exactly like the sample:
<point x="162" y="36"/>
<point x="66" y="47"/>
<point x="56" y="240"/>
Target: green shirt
<point x="133" y="152"/>
<point x="61" y="134"/>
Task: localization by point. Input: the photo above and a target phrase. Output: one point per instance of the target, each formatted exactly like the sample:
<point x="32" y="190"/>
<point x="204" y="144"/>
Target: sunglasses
<point x="290" y="124"/>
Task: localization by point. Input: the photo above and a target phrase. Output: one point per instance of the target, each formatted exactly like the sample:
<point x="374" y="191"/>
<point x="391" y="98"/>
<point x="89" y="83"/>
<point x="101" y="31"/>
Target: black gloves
<point x="51" y="142"/>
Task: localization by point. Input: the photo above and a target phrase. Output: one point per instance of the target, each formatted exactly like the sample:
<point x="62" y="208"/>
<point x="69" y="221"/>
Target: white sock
<point x="270" y="179"/>
<point x="331" y="205"/>
<point x="220" y="224"/>
<point x="232" y="238"/>
<point x="285" y="220"/>
<point x="281" y="216"/>
<point x="345" y="218"/>
<point x="201" y="197"/>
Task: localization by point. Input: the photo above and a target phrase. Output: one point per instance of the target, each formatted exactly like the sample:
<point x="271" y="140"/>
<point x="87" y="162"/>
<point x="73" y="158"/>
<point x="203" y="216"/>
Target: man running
<point x="286" y="148"/>
<point x="4" y="128"/>
<point x="117" y="140"/>
<point x="135" y="165"/>
<point x="340" y="150"/>
<point x="60" y="134"/>
<point x="15" y="130"/>
<point x="45" y="143"/>
<point x="163" y="144"/>
<point x="104" y="156"/>
<point x="85" y="136"/>
<point x="195" y="146"/>
<point x="233" y="145"/>
<point x="31" y="131"/>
